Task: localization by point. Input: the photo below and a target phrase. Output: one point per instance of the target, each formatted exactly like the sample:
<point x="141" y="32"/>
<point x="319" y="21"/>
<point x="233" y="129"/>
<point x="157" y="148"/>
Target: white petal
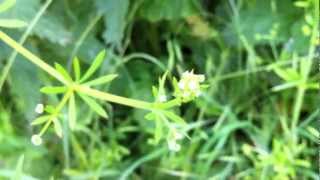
<point x="181" y="85"/>
<point x="162" y="98"/>
<point x="193" y="85"/>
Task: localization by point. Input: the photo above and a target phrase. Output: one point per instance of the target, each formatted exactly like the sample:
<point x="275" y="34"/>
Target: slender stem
<point x="31" y="57"/>
<point x="56" y="113"/>
<point x="83" y="36"/>
<point x="307" y="70"/>
<point x="12" y="57"/>
<point x="114" y="98"/>
<point x="81" y="88"/>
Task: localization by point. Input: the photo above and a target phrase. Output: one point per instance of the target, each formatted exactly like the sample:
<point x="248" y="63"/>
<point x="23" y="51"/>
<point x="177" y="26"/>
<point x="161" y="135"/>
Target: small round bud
<point x="39" y="108"/>
<point x="36" y="140"/>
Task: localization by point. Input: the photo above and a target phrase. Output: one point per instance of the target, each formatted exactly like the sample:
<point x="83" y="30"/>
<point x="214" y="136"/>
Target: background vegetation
<point x="257" y="120"/>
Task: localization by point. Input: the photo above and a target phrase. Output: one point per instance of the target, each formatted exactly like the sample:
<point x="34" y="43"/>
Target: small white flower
<point x="163" y="98"/>
<point x="186" y="94"/>
<point x="178" y="136"/>
<point x="39" y="108"/>
<point x="181" y="85"/>
<point x="193" y="85"/>
<point x="36" y="140"/>
<point x="173" y="146"/>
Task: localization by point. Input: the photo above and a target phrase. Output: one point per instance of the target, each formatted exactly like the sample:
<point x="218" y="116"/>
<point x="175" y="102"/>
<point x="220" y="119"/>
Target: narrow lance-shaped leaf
<point x="62" y="71"/>
<point x="101" y="80"/>
<point x="19" y="169"/>
<point x="40" y="120"/>
<point x="158" y="131"/>
<point x="76" y="69"/>
<point x="7" y="4"/>
<point x="72" y="112"/>
<point x="174" y="117"/>
<point x="94" y="105"/>
<point x="94" y="66"/>
<point x="12" y="23"/>
<point x="57" y="127"/>
<point x="53" y="89"/>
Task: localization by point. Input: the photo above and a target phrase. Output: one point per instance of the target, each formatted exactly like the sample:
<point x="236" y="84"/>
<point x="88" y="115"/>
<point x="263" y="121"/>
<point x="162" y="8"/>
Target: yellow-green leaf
<point x="94" y="66"/>
<point x="53" y="89"/>
<point x="12" y="23"/>
<point x="72" y="112"/>
<point x="76" y="68"/>
<point x="94" y="105"/>
<point x="57" y="127"/>
<point x="101" y="80"/>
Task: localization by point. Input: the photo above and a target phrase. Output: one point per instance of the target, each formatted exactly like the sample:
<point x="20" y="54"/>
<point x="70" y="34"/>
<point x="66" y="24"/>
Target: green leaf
<point x="115" y="13"/>
<point x="101" y="80"/>
<point x="40" y="120"/>
<point x="158" y="131"/>
<point x="62" y="71"/>
<point x="19" y="169"/>
<point x="174" y="117"/>
<point x="94" y="105"/>
<point x="94" y="66"/>
<point x="157" y="10"/>
<point x="76" y="68"/>
<point x="57" y="127"/>
<point x="53" y="89"/>
<point x="12" y="23"/>
<point x="50" y="109"/>
<point x="72" y="112"/>
<point x="7" y="4"/>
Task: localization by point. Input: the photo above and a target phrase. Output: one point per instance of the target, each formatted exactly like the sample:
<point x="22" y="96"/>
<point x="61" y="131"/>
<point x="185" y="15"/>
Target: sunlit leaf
<point x="101" y="80"/>
<point x="7" y="4"/>
<point x="57" y="127"/>
<point x="94" y="105"/>
<point x="94" y="66"/>
<point x="12" y="23"/>
<point x="76" y="68"/>
<point x="40" y="120"/>
<point x="53" y="89"/>
<point x="72" y="112"/>
<point x="62" y="71"/>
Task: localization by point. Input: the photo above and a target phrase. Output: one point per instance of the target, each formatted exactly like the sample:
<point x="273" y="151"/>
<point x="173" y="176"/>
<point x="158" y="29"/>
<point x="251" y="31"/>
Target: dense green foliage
<point x="256" y="120"/>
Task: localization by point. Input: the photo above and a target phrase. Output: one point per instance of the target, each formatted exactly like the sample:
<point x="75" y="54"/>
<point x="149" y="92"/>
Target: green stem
<point x="307" y="70"/>
<point x="56" y="113"/>
<point x="114" y="98"/>
<point x="31" y="57"/>
<point x="12" y="57"/>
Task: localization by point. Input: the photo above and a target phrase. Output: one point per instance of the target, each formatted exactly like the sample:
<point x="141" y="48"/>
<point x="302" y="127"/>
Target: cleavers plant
<point x="168" y="125"/>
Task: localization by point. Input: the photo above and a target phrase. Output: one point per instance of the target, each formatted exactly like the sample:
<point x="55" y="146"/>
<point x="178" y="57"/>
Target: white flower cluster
<point x="172" y="141"/>
<point x="189" y="85"/>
